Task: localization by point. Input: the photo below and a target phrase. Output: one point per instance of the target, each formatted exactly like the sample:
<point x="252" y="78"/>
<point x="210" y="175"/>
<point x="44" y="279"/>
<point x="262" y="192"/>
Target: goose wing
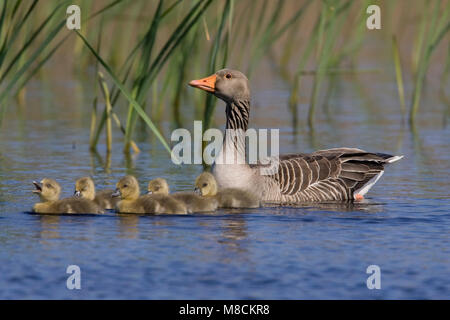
<point x="332" y="174"/>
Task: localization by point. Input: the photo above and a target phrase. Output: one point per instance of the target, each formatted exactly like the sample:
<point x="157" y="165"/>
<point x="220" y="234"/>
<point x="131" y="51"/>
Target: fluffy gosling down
<point x="85" y="188"/>
<point x="227" y="198"/>
<point x="193" y="202"/>
<point x="49" y="191"/>
<point x="132" y="202"/>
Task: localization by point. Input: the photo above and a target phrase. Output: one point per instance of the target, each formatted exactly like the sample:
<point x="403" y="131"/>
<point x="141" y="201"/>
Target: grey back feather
<point x="325" y="175"/>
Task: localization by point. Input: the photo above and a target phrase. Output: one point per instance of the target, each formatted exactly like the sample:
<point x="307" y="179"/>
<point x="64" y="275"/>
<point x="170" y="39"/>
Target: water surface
<point x="306" y="252"/>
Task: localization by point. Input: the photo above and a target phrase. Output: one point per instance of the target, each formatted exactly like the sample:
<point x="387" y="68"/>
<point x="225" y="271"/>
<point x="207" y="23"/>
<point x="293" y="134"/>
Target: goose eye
<point x="228" y="76"/>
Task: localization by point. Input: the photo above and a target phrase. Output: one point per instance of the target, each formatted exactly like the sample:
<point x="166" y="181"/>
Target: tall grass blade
<point x="51" y="35"/>
<point x="212" y="66"/>
<point x="398" y="75"/>
<point x="435" y="34"/>
<point x="31" y="40"/>
<point x="108" y="109"/>
<point x="131" y="100"/>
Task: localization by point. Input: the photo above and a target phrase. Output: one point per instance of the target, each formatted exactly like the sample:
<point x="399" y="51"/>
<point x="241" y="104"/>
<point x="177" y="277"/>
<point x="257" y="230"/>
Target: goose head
<point x="127" y="188"/>
<point x="206" y="184"/>
<point x="226" y="84"/>
<point x="85" y="188"/>
<point x="158" y="186"/>
<point x="47" y="189"/>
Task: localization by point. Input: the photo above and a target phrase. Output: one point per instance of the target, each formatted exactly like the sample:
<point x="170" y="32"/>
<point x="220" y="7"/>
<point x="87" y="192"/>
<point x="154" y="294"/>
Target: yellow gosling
<point x="85" y="188"/>
<point x="193" y="202"/>
<point x="132" y="202"/>
<point x="227" y="198"/>
<point x="49" y="191"/>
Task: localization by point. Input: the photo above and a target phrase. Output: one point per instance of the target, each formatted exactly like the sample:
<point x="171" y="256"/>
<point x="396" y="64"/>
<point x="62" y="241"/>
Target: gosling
<point x="49" y="191"/>
<point x="206" y="185"/>
<point x="85" y="188"/>
<point x="132" y="202"/>
<point x="192" y="201"/>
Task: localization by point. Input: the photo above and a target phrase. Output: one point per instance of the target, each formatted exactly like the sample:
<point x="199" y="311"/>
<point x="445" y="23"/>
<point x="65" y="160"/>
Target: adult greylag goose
<point x="49" y="191"/>
<point x="85" y="188"/>
<point x="227" y="198"/>
<point x="193" y="202"/>
<point x="326" y="175"/>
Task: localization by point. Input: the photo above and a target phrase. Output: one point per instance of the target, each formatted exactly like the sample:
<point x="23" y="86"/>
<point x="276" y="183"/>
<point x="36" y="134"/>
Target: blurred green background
<point x="147" y="51"/>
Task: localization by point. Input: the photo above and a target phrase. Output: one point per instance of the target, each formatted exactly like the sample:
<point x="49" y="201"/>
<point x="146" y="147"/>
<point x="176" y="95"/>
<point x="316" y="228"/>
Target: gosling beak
<point x="116" y="193"/>
<point x="38" y="187"/>
<point x="198" y="191"/>
<point x="207" y="84"/>
<point x="77" y="193"/>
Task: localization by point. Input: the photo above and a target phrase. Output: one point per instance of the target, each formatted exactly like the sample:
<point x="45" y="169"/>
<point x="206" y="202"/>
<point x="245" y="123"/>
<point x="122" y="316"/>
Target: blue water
<point x="310" y="252"/>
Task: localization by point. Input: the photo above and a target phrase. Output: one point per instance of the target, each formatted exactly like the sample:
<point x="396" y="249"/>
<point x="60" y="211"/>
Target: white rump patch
<point x="369" y="184"/>
<point x="394" y="159"/>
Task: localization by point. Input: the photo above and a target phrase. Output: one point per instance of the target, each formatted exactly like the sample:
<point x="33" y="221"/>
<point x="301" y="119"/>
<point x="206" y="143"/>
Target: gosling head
<point x="47" y="189"/>
<point x="158" y="186"/>
<point x="226" y="84"/>
<point x="206" y="184"/>
<point x="127" y="188"/>
<point x="85" y="188"/>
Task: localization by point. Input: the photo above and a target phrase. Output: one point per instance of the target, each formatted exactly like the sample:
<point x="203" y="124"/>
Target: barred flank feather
<point x="325" y="175"/>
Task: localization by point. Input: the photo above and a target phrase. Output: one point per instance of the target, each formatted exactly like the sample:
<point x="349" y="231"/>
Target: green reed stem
<point x="127" y="95"/>
<point x="436" y="32"/>
<point x="108" y="109"/>
<point x="398" y="75"/>
<point x="210" y="100"/>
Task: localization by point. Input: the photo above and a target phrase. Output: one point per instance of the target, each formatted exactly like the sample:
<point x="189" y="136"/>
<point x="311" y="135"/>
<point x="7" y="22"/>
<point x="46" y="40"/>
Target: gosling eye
<point x="125" y="186"/>
<point x="205" y="184"/>
<point x="228" y="76"/>
<point x="48" y="185"/>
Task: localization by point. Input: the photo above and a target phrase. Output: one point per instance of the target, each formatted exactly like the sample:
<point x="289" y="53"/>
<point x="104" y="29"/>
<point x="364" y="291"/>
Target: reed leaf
<point x="51" y="35"/>
<point x="329" y="26"/>
<point x="210" y="102"/>
<point x="17" y="61"/>
<point x="398" y="75"/>
<point x="150" y="71"/>
<point x="144" y="61"/>
<point x="435" y="34"/>
<point x="125" y="92"/>
<point x="31" y="39"/>
<point x="108" y="110"/>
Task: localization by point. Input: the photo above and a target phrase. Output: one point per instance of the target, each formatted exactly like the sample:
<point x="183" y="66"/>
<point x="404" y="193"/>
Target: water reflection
<point x="98" y="162"/>
<point x="129" y="162"/>
<point x="49" y="227"/>
<point x="128" y="226"/>
<point x="424" y="155"/>
<point x="233" y="236"/>
<point x="365" y="205"/>
<point x="446" y="101"/>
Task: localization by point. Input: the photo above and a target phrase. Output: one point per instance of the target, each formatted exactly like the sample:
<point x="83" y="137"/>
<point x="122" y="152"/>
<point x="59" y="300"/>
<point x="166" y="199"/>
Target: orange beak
<point x="207" y="84"/>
